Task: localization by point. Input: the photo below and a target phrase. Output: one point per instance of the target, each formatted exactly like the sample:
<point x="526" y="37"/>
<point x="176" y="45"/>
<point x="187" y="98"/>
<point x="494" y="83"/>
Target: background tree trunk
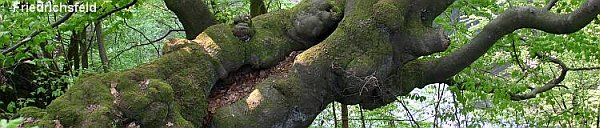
<point x="101" y="49"/>
<point x="335" y="121"/>
<point x="257" y="7"/>
<point x="73" y="52"/>
<point x="344" y="116"/>
<point x="84" y="48"/>
<point x="194" y="15"/>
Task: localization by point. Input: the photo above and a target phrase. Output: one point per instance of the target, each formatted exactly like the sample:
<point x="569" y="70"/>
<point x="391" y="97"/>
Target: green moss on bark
<point x="262" y="102"/>
<point x="171" y="90"/>
<point x="174" y="88"/>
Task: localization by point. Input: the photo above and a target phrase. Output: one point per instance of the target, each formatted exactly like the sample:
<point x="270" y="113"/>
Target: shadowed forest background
<point x="528" y="78"/>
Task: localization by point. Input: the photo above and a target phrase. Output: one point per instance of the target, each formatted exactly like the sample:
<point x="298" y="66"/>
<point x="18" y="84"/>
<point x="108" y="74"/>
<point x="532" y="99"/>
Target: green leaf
<point x="12" y="106"/>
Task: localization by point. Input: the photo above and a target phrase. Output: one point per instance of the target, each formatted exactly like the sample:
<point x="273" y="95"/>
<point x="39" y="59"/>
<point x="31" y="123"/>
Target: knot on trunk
<point x="312" y="26"/>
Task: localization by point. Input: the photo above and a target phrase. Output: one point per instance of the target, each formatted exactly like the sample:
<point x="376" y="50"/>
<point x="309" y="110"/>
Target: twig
<point x="550" y="5"/>
<point x="366" y="81"/>
<point x="167" y="34"/>
<point x="138" y="31"/>
<point x="116" y="10"/>
<point x="552" y="83"/>
<point x="412" y="119"/>
<point x="380" y="119"/>
<point x="582" y="69"/>
<point x="440" y="94"/>
<point x="516" y="55"/>
<point x="455" y="109"/>
<point x="144" y="44"/>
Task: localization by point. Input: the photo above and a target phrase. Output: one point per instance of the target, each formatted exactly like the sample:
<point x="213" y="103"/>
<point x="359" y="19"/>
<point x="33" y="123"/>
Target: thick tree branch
<point x="194" y="15"/>
<point x="434" y="8"/>
<point x="511" y="20"/>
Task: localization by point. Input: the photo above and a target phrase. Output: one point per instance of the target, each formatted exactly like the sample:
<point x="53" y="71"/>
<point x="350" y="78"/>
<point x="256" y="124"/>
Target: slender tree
<point x="345" y="116"/>
<point x="101" y="46"/>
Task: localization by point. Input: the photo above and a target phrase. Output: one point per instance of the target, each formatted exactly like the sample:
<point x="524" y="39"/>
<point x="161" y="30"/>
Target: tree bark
<point x="335" y="121"/>
<point x="193" y="15"/>
<point x="84" y="48"/>
<point x="101" y="49"/>
<point x="257" y="7"/>
<point x="345" y="116"/>
<point x="72" y="61"/>
<point x="368" y="57"/>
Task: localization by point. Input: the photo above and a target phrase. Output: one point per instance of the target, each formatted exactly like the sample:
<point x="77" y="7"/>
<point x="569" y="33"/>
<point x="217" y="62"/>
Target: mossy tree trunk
<point x="355" y="52"/>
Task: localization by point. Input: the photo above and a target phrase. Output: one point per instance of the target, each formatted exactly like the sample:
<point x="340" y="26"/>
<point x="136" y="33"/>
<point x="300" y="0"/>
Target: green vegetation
<point x="50" y="62"/>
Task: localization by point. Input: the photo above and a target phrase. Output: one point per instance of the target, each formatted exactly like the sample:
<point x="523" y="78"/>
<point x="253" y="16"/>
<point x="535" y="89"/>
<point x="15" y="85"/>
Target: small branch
<point x="550" y="5"/>
<point x="455" y="103"/>
<point x="335" y="122"/>
<point x="440" y="93"/>
<point x="116" y="10"/>
<point x="165" y="24"/>
<point x="138" y="31"/>
<point x="432" y="8"/>
<point x="144" y="44"/>
<point x="412" y="119"/>
<point x="516" y="55"/>
<point x="380" y="119"/>
<point x="123" y="51"/>
<point x="167" y="34"/>
<point x="550" y="84"/>
<point x="583" y="69"/>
